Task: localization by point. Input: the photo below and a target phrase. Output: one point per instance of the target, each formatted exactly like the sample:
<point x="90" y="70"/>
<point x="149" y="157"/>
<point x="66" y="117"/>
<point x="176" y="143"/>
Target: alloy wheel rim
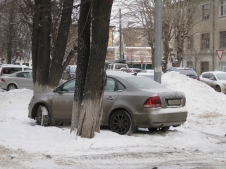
<point x="120" y="123"/>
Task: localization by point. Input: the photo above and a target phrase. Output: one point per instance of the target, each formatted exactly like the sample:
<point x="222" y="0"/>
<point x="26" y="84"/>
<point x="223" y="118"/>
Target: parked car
<point x="185" y="71"/>
<point x="215" y="79"/>
<point x="69" y="72"/>
<point x="117" y="65"/>
<point x="6" y="69"/>
<point x="129" y="102"/>
<point x="18" y="80"/>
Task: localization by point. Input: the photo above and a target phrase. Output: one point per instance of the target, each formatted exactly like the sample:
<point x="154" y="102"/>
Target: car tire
<point x="42" y="118"/>
<point x="11" y="87"/>
<point x="121" y="122"/>
<point x="218" y="89"/>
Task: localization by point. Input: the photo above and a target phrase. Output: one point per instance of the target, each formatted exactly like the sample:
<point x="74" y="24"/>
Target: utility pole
<point x="213" y="6"/>
<point x="120" y="35"/>
<point x="158" y="41"/>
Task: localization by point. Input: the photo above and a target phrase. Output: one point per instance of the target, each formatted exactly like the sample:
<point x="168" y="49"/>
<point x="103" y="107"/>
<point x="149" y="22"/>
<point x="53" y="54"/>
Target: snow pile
<point x="12" y="102"/>
<point x="202" y="101"/>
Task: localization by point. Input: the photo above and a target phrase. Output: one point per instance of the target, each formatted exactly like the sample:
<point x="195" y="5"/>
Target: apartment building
<point x="205" y="48"/>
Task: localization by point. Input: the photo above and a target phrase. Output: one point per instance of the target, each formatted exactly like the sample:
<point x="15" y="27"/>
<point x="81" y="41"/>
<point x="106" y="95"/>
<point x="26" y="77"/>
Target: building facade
<point x="205" y="48"/>
<point x="136" y="57"/>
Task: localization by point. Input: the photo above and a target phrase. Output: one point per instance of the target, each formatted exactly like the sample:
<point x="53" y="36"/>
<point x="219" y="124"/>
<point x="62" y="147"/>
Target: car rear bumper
<point x="161" y="117"/>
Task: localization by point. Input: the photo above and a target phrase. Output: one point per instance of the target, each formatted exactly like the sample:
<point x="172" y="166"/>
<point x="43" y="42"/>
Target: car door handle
<point x="110" y="98"/>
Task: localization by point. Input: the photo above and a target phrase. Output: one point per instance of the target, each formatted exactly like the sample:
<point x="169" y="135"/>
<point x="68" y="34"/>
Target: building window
<point x="223" y="8"/>
<point x="206" y="11"/>
<point x="189" y="64"/>
<point x="190" y="43"/>
<point x="205" y="41"/>
<point x="223" y="66"/>
<point x="223" y="39"/>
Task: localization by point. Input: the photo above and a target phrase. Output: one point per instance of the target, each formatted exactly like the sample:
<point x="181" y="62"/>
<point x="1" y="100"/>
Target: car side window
<point x="26" y="74"/>
<point x="212" y="76"/>
<point x="205" y="75"/>
<point x="69" y="86"/>
<point x="110" y="85"/>
<point x="120" y="85"/>
<point x="13" y="70"/>
<point x="20" y="75"/>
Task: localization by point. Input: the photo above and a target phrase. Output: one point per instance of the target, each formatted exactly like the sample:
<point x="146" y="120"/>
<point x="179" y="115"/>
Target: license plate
<point x="174" y="102"/>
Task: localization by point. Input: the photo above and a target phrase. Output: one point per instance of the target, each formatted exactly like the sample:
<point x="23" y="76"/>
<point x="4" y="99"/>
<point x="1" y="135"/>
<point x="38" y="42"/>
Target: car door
<point x="109" y="98"/>
<point x="63" y="100"/>
<point x="212" y="81"/>
<point x="23" y="80"/>
<point x="205" y="78"/>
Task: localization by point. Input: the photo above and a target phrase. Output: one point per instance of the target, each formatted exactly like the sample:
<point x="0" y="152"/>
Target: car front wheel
<point x="121" y="122"/>
<point x="218" y="89"/>
<point x="42" y="116"/>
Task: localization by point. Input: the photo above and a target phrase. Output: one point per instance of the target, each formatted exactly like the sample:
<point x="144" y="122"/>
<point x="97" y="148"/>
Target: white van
<point x="118" y="65"/>
<point x="6" y="69"/>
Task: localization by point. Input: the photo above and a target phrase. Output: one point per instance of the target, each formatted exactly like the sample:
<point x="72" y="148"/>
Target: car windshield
<point x="72" y="69"/>
<point x="144" y="82"/>
<point x="221" y="76"/>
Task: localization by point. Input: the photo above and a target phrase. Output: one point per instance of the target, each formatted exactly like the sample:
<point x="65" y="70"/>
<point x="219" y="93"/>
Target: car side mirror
<point x="57" y="89"/>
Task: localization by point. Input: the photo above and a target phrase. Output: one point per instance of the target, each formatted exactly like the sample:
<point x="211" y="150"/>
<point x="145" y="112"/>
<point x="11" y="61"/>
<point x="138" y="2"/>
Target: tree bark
<point x="41" y="45"/>
<point x="47" y="71"/>
<point x="91" y="109"/>
<point x="82" y="60"/>
<point x="61" y="42"/>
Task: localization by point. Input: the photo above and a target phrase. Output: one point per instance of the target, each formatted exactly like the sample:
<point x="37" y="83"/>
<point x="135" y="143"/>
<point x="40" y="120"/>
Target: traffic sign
<point x="220" y="53"/>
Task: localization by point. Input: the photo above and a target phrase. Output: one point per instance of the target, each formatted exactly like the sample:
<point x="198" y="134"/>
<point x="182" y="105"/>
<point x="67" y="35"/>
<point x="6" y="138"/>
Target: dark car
<point x="69" y="72"/>
<point x="129" y="102"/>
<point x="185" y="71"/>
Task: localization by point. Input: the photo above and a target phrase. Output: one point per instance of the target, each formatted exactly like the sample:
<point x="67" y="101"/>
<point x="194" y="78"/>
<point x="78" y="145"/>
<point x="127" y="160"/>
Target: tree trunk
<point x="10" y="31"/>
<point x="41" y="45"/>
<point x="91" y="109"/>
<point x="60" y="46"/>
<point x="44" y="77"/>
<point x="82" y="60"/>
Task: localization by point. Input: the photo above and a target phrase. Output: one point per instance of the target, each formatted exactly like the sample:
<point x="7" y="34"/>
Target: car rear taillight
<point x="2" y="80"/>
<point x="153" y="102"/>
<point x="197" y="78"/>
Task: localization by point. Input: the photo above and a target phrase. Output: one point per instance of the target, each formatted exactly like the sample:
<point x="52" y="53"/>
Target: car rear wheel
<point x="218" y="89"/>
<point x="11" y="87"/>
<point x="121" y="122"/>
<point x="42" y="116"/>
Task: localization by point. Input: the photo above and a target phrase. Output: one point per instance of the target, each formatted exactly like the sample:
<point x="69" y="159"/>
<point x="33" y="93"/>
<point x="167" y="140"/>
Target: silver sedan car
<point x="215" y="79"/>
<point x="129" y="102"/>
<point x="18" y="80"/>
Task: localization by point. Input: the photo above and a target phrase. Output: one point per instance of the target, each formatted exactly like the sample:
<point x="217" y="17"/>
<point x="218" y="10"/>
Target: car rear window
<point x="187" y="72"/>
<point x="144" y="82"/>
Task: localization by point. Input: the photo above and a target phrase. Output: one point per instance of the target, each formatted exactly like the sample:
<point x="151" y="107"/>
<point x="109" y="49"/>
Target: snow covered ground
<point x="199" y="143"/>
